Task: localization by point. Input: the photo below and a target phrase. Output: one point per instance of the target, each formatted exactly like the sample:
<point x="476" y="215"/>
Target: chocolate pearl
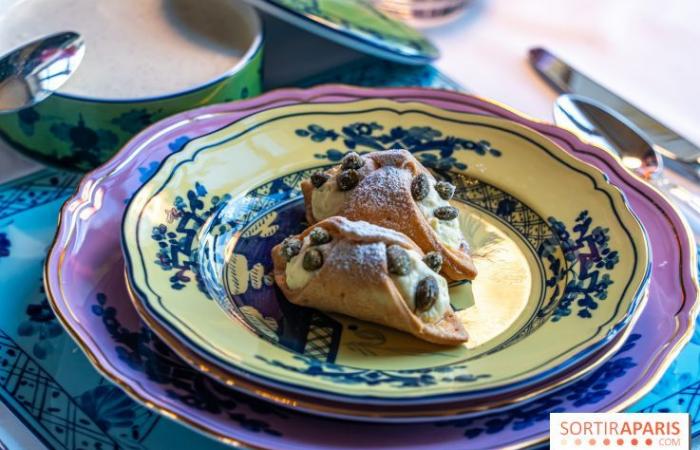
<point x="291" y="247"/>
<point x="446" y="212"/>
<point x="319" y="179"/>
<point x="420" y="187"/>
<point x="313" y="260"/>
<point x="319" y="236"/>
<point x="427" y="292"/>
<point x="445" y="190"/>
<point x="348" y="179"/>
<point x="397" y="260"/>
<point x="352" y="161"/>
<point x="433" y="260"/>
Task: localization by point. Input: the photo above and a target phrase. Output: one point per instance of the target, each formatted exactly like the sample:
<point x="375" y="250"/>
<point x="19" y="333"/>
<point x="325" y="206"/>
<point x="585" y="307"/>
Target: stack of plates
<point x="566" y="314"/>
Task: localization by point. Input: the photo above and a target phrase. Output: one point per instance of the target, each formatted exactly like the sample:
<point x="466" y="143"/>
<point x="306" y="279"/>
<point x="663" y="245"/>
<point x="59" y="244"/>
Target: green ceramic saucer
<point x="356" y="24"/>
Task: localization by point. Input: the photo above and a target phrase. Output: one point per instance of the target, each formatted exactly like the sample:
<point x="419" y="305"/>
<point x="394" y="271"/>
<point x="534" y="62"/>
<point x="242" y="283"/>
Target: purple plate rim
<point x="407" y="94"/>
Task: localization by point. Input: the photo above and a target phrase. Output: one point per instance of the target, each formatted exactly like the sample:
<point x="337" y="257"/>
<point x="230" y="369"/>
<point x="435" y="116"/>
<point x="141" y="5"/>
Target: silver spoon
<point x="36" y="70"/>
<point x="602" y="126"/>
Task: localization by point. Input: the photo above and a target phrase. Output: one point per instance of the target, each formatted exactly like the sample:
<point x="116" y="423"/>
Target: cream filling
<point x="407" y="287"/>
<point x="297" y="277"/>
<point x="448" y="231"/>
<point x="327" y="200"/>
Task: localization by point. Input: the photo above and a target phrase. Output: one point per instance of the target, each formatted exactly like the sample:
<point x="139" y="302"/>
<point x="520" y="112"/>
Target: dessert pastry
<point x="392" y="189"/>
<point x="369" y="273"/>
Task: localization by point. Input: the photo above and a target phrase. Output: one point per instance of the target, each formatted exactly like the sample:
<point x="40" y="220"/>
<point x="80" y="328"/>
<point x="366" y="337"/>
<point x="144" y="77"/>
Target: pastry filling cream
<point x="327" y="200"/>
<point x="297" y="275"/>
<point x="408" y="283"/>
<point x="448" y="231"/>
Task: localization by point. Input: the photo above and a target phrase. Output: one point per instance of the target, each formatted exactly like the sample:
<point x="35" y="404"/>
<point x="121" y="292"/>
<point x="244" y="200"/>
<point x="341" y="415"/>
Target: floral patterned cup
<point x="79" y="133"/>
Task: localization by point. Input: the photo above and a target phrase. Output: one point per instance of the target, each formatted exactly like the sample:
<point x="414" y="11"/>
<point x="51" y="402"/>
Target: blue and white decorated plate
<point x="558" y="278"/>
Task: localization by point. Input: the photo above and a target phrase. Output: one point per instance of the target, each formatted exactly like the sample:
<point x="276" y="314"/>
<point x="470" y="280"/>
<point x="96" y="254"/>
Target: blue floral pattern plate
<point x="557" y="280"/>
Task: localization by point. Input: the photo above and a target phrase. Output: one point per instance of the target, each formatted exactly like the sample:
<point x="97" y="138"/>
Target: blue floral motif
<point x="40" y="324"/>
<point x="109" y="406"/>
<point x="147" y="172"/>
<point x="431" y="147"/>
<point x="178" y="144"/>
<point x="176" y="237"/>
<point x="5" y="245"/>
<point x="370" y="377"/>
<point x="143" y="352"/>
<point x="587" y="391"/>
<point x="441" y="164"/>
<point x="589" y="258"/>
<point x="135" y="120"/>
<point x="317" y="133"/>
<point x="89" y="147"/>
<point x="27" y="118"/>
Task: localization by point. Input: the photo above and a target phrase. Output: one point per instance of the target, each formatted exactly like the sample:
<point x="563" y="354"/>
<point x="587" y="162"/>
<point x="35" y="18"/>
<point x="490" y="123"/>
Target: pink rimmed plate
<point x="89" y="296"/>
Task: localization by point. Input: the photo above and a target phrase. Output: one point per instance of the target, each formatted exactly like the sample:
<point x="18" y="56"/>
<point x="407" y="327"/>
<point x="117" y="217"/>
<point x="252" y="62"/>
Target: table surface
<point x="645" y="50"/>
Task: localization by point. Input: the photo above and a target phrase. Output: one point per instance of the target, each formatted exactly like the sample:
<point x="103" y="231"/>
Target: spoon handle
<point x="687" y="201"/>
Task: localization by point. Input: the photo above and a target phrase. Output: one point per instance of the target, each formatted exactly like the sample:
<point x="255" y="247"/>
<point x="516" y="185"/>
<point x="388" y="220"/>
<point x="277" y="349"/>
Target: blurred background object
<point x="145" y="60"/>
<point x="423" y="13"/>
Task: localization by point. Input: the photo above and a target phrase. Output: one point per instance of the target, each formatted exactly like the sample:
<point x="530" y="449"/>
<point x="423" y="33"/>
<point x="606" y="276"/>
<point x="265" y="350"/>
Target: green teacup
<point x="79" y="132"/>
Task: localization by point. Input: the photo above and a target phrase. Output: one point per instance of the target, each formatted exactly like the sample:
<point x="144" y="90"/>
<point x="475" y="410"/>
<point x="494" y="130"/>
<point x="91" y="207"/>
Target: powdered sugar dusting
<point x="366" y="230"/>
<point x="382" y="189"/>
<point x="361" y="260"/>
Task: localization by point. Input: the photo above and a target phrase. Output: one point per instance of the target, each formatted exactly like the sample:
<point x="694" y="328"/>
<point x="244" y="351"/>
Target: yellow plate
<point x="562" y="260"/>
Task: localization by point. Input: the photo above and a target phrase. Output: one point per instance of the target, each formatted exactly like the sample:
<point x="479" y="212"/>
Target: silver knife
<point x="566" y="79"/>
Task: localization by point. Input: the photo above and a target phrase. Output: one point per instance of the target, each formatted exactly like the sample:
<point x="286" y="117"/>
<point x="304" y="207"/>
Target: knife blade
<point x="566" y="79"/>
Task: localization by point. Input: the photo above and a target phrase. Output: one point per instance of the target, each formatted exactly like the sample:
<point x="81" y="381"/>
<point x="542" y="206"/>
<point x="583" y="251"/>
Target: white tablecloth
<point x="648" y="51"/>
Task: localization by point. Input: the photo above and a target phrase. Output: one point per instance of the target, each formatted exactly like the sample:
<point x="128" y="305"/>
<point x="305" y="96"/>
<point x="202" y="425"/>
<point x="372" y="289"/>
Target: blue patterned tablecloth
<point x="48" y="383"/>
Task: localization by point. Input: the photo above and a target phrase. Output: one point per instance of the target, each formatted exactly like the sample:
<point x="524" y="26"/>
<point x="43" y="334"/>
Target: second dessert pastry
<point x="392" y="189"/>
<point x="369" y="273"/>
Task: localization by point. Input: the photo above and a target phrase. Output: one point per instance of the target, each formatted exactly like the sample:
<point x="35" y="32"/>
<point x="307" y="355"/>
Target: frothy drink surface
<point x="135" y="48"/>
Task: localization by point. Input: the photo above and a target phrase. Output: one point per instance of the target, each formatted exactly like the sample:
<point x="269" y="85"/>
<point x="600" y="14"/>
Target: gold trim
<point x="641" y="391"/>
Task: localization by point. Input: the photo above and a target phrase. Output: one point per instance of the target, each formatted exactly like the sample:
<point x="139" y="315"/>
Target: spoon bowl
<point x="29" y="74"/>
<point x="604" y="127"/>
